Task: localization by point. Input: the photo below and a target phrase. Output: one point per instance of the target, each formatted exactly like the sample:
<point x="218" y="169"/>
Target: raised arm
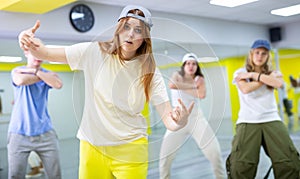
<point x="174" y="119"/>
<point x="200" y="91"/>
<point x="274" y="80"/>
<point x="24" y="76"/>
<point x="28" y="76"/>
<point x="27" y="41"/>
<point x="177" y="82"/>
<point x="50" y="78"/>
<point x="246" y="86"/>
<point x="195" y="88"/>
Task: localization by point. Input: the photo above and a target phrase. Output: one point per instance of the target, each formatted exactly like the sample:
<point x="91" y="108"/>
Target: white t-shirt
<point x="114" y="97"/>
<point x="258" y="106"/>
<point x="297" y="90"/>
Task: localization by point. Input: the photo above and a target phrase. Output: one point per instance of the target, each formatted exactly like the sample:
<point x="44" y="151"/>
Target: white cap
<point x="147" y="19"/>
<point x="189" y="56"/>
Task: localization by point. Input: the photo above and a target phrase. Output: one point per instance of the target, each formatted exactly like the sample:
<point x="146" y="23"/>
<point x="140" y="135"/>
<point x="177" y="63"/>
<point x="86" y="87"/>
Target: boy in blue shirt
<point x="30" y="127"/>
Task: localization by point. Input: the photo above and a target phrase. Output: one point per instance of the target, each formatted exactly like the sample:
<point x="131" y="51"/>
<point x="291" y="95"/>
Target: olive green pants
<point x="274" y="138"/>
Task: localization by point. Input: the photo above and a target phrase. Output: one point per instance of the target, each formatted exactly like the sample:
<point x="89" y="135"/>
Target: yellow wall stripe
<point x="52" y="67"/>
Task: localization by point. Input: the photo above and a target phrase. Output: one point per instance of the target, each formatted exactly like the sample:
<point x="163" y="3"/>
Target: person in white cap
<point x="120" y="77"/>
<point x="259" y="124"/>
<point x="188" y="84"/>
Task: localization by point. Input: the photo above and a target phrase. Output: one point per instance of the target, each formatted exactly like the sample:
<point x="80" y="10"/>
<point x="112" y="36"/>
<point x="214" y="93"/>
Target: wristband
<point x="258" y="78"/>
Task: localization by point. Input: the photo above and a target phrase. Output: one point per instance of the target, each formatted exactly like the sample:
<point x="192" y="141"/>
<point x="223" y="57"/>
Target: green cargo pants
<point x="273" y="136"/>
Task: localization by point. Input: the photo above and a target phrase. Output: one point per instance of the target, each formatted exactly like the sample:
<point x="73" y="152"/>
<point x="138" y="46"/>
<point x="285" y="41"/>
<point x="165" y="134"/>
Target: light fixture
<point x="56" y="63"/>
<point x="230" y="3"/>
<point x="10" y="59"/>
<point x="208" y="59"/>
<point x="287" y="11"/>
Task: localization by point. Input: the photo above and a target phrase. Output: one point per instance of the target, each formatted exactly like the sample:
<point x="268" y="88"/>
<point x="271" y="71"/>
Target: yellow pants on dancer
<point x="128" y="161"/>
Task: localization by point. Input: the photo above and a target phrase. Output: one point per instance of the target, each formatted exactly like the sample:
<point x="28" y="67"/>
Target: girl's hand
<point x="26" y="38"/>
<point x="276" y="74"/>
<point x="180" y="113"/>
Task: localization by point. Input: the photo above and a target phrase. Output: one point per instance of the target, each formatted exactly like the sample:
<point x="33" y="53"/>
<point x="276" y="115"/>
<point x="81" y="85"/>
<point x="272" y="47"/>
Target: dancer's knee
<point x="238" y="169"/>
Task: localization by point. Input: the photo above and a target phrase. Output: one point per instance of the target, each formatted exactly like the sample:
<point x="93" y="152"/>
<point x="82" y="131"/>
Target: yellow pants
<point x="127" y="161"/>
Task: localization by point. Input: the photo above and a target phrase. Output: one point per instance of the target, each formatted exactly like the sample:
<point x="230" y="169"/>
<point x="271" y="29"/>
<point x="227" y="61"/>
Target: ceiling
<point x="257" y="12"/>
<point x="32" y="6"/>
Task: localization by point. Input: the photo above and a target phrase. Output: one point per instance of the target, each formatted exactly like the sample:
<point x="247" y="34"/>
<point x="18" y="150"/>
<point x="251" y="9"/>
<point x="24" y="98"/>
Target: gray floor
<point x="189" y="162"/>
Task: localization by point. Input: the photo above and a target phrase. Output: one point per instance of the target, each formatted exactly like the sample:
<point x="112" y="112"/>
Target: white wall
<point x="7" y="95"/>
<point x="65" y="106"/>
<point x="290" y="35"/>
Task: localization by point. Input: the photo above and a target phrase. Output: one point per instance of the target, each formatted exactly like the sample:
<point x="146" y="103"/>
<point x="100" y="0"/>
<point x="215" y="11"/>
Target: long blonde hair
<point x="266" y="68"/>
<point x="144" y="52"/>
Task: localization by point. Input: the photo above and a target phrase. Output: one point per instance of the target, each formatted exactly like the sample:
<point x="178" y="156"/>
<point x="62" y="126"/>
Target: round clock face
<point x="82" y="18"/>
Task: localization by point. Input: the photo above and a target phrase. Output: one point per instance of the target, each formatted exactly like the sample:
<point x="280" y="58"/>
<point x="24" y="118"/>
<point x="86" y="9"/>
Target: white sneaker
<point x="35" y="173"/>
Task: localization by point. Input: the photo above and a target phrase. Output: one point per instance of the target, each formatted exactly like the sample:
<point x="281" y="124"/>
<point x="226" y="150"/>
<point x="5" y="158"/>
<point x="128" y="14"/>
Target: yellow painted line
<point x="51" y="67"/>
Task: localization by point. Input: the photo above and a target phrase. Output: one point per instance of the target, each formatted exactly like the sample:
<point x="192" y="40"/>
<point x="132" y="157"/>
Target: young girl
<point x="120" y="76"/>
<point x="259" y="123"/>
<point x="189" y="84"/>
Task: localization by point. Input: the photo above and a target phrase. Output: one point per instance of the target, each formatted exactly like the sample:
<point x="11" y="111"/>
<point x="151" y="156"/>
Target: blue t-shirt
<point x="30" y="115"/>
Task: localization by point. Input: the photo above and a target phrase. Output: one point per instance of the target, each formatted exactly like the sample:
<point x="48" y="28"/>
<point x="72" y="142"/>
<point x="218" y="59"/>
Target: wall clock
<point x="82" y="18"/>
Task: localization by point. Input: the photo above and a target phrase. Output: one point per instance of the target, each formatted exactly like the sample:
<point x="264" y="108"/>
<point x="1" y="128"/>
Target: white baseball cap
<point x="189" y="56"/>
<point x="147" y="19"/>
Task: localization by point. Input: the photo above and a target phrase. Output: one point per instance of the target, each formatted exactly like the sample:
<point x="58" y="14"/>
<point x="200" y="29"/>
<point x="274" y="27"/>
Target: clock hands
<point x="76" y="15"/>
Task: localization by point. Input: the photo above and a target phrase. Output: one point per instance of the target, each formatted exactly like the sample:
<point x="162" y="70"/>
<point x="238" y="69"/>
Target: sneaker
<point x="41" y="168"/>
<point x="35" y="172"/>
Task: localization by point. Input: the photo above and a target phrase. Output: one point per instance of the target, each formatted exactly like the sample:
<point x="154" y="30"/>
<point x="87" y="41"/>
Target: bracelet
<point x="258" y="78"/>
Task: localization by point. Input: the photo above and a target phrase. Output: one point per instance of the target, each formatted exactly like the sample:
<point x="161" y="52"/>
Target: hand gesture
<point x="180" y="114"/>
<point x="26" y="38"/>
